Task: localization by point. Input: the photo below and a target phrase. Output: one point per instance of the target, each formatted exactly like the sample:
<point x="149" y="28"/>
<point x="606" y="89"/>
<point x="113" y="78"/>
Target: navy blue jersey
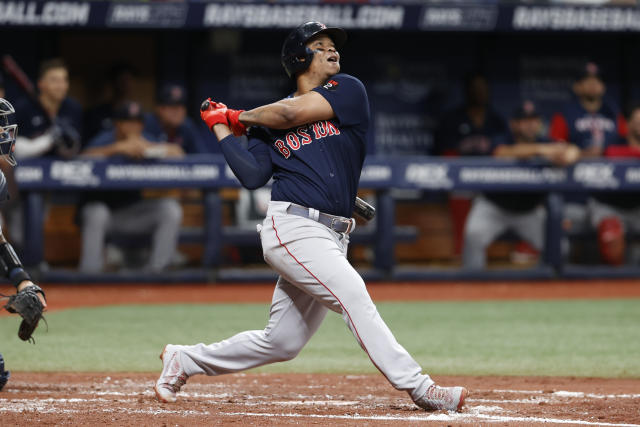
<point x="588" y="130"/>
<point x="98" y="119"/>
<point x="318" y="165"/>
<point x="32" y="121"/>
<point x="186" y="135"/>
<point x="457" y="134"/>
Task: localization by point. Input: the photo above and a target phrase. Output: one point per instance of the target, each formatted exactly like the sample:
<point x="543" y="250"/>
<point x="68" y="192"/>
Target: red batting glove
<point x="213" y="113"/>
<point x="237" y="127"/>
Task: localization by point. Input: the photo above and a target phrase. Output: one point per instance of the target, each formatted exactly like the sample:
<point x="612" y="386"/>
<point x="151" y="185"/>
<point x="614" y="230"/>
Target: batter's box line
<point x="564" y="393"/>
<point x="433" y="417"/>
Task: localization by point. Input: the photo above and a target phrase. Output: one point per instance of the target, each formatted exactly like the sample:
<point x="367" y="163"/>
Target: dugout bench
<point x="210" y="174"/>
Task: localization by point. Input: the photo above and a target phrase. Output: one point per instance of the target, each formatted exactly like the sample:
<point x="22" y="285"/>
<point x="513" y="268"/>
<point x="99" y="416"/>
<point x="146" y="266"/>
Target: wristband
<point x="18" y="275"/>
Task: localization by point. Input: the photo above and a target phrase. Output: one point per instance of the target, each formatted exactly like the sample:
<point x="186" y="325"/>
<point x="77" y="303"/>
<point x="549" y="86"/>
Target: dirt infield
<point x="306" y="399"/>
<point x="300" y="399"/>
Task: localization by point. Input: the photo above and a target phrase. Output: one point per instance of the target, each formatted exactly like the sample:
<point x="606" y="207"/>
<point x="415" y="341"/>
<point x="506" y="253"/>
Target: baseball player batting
<point x="29" y="301"/>
<point x="313" y="145"/>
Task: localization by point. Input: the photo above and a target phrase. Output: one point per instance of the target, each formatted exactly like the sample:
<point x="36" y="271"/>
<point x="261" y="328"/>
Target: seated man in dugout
<point x="524" y="213"/>
<point x="104" y="212"/>
<point x="169" y="122"/>
<point x="50" y="126"/>
<point x="615" y="214"/>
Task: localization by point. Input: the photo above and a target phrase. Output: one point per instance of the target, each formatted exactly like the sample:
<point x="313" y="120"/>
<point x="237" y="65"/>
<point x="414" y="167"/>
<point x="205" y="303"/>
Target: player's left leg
<point x="293" y="319"/>
<point x="313" y="258"/>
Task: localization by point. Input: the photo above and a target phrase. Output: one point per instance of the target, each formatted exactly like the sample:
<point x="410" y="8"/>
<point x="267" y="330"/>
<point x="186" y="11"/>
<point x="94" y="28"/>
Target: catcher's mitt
<point x="27" y="304"/>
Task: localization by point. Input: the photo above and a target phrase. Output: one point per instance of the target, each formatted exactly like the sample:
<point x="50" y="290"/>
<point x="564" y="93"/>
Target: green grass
<point x="581" y="338"/>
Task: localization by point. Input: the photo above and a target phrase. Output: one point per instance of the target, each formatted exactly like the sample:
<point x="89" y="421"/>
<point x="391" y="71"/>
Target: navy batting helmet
<point x="296" y="56"/>
<point x="4" y="375"/>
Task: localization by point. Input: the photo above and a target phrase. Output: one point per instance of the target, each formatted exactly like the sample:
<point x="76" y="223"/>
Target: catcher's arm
<point x="12" y="269"/>
<point x="29" y="302"/>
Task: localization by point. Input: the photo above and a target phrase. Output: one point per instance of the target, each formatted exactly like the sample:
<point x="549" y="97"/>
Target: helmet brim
<point x="338" y="35"/>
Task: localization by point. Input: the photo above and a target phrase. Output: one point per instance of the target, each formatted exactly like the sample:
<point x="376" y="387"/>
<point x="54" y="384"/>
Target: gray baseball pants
<point x="160" y="217"/>
<point x="598" y="211"/>
<point x="487" y="221"/>
<point x="315" y="277"/>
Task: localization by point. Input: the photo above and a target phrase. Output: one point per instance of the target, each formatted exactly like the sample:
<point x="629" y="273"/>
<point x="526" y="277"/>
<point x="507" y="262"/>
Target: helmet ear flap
<point x="299" y="63"/>
<point x="306" y="58"/>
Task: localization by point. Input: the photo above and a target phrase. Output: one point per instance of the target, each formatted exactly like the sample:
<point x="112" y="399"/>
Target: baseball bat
<point x="23" y="81"/>
<point x="364" y="209"/>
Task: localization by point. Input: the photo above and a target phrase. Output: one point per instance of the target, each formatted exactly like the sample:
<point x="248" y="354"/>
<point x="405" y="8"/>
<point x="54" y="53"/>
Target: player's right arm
<point x="343" y="98"/>
<point x="252" y="165"/>
<point x="290" y="112"/>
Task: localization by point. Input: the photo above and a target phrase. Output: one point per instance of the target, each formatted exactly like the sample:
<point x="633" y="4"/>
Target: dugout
<point x="411" y="56"/>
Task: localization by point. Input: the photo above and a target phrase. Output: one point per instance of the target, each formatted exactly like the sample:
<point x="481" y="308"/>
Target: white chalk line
<point x="128" y="411"/>
<point x="580" y="394"/>
<point x="63" y="400"/>
<point x="433" y="417"/>
<point x="306" y="403"/>
<point x="43" y="406"/>
<point x="52" y="388"/>
<point x="529" y="401"/>
<point x="563" y="393"/>
<point x="498" y="390"/>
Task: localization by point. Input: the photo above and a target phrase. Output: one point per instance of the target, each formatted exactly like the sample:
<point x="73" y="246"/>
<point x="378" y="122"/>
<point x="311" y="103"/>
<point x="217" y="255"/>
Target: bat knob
<point x="205" y="105"/>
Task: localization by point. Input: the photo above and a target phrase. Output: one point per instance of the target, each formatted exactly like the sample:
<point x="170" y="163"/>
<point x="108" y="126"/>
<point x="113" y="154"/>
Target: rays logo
<point x="331" y="85"/>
